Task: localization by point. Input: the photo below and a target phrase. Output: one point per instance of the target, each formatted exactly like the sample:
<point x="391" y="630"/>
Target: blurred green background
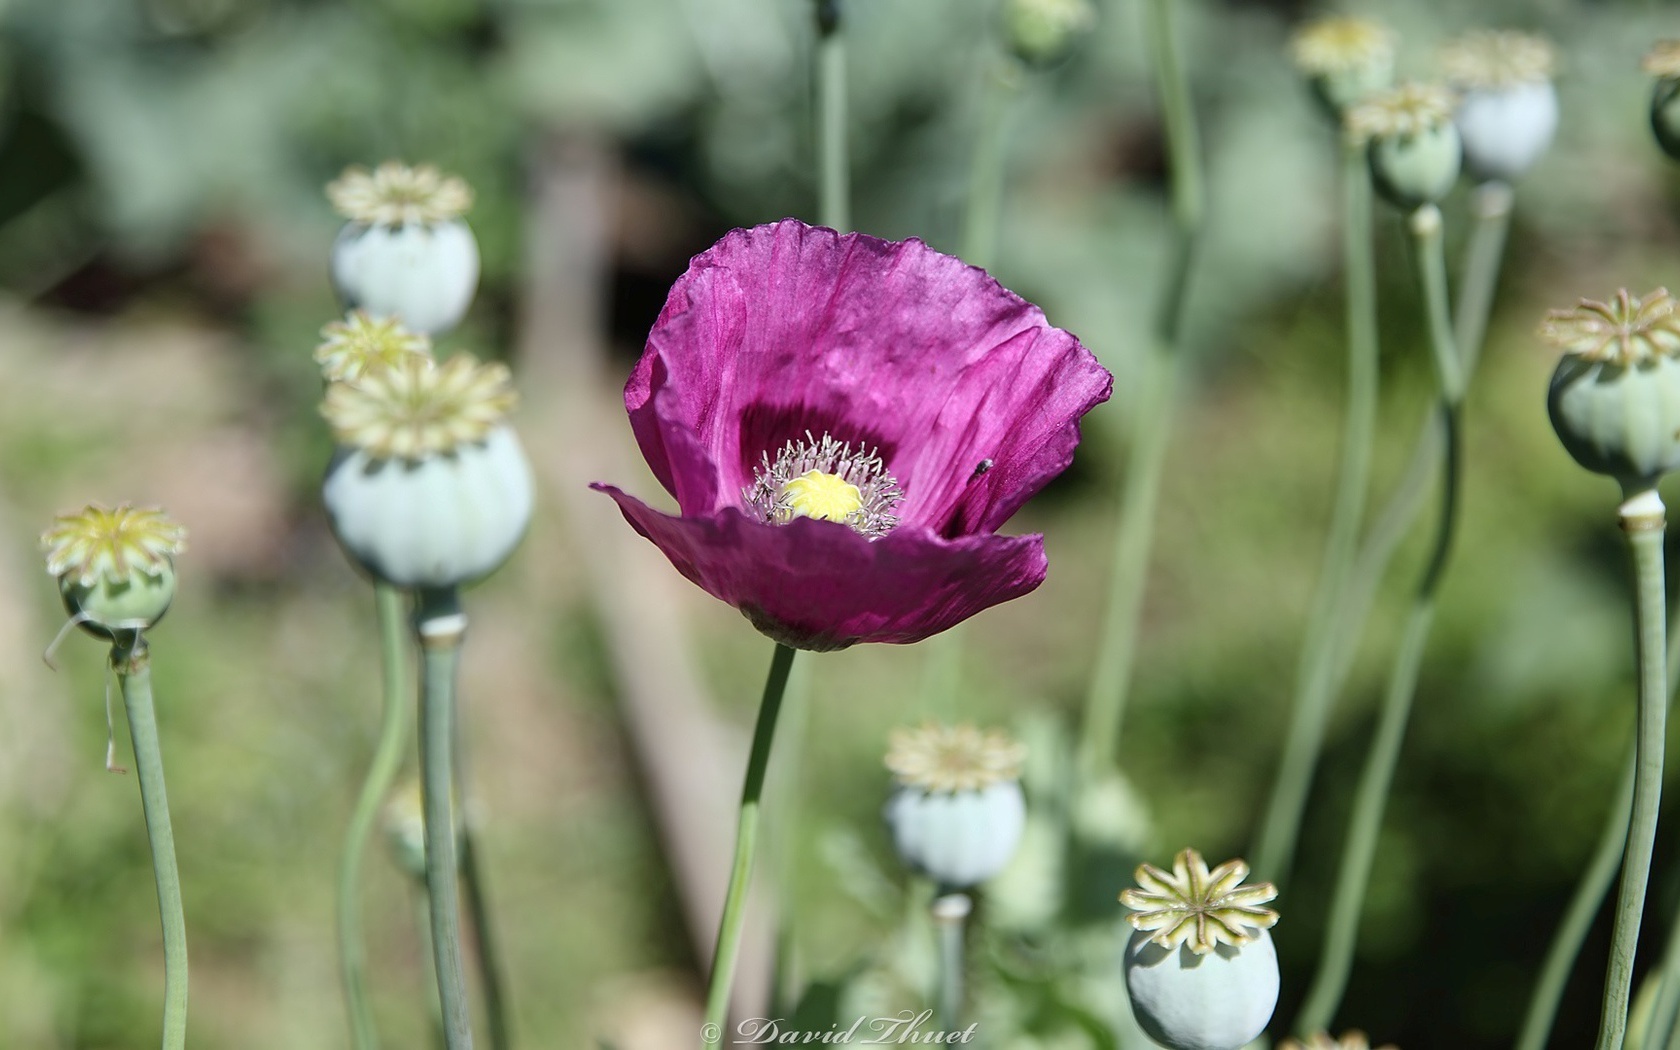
<point x="163" y="239"/>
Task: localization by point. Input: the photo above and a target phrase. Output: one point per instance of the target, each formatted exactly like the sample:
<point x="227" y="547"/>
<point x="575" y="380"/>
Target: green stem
<point x="986" y="174"/>
<point x="1578" y="919"/>
<point x="1353" y="877"/>
<point x="387" y="760"/>
<point x="441" y="626"/>
<point x="1643" y="522"/>
<point x="488" y="954"/>
<point x="1589" y="898"/>
<point x="1153" y="406"/>
<point x="833" y="173"/>
<point x="132" y="663"/>
<point x="1315" y="673"/>
<point x="746" y="844"/>
<point x="1492" y="219"/>
<point x="950" y="918"/>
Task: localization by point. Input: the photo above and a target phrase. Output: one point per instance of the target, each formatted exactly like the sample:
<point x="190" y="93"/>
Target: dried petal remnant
<point x="96" y="544"/>
<point x="1625" y="331"/>
<point x="953" y="758"/>
<point x="1193" y="906"/>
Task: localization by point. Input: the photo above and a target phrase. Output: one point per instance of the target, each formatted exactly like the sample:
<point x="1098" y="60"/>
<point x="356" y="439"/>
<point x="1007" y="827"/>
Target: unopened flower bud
<point x="430" y="487"/>
<point x="1043" y="32"/>
<point x="1663" y="62"/>
<point x="405" y="251"/>
<point x="115" y="568"/>
<point x="1615" y="396"/>
<point x="1201" y="969"/>
<point x="1345" y="60"/>
<point x="958" y="812"/>
<point x="1414" y="147"/>
<point x="1508" y="109"/>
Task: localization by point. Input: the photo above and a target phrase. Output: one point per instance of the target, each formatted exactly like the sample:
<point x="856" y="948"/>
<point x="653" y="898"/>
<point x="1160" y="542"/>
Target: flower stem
<point x="1642" y="519"/>
<point x="1490" y="209"/>
<point x="1155" y="400"/>
<point x="1578" y="919"/>
<point x="1353" y="876"/>
<point x="1314" y="678"/>
<point x="387" y="759"/>
<point x="487" y="954"/>
<point x="833" y="174"/>
<point x="986" y="174"/>
<point x="746" y="844"/>
<point x="131" y="660"/>
<point x="1589" y="897"/>
<point x="441" y="626"/>
<point x="950" y="918"/>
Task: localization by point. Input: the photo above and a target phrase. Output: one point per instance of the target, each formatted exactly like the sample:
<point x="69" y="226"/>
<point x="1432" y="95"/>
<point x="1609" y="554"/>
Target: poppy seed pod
<point x="1043" y="32"/>
<point x="1614" y="398"/>
<point x="1663" y="62"/>
<point x="958" y="813"/>
<point x="1345" y="60"/>
<point x="1414" y="147"/>
<point x="115" y="568"/>
<point x="1201" y="970"/>
<point x="1508" y="109"/>
<point x="429" y="487"/>
<point x="405" y="251"/>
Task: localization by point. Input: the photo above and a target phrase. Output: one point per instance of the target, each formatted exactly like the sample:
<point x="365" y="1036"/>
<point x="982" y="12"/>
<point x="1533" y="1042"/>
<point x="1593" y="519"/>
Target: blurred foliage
<point x="162" y="247"/>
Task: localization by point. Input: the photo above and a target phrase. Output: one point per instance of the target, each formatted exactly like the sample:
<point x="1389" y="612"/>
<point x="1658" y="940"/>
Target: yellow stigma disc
<point x="815" y="494"/>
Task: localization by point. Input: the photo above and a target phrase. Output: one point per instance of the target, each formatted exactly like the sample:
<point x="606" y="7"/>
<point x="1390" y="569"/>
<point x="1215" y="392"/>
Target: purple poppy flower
<point x="845" y="422"/>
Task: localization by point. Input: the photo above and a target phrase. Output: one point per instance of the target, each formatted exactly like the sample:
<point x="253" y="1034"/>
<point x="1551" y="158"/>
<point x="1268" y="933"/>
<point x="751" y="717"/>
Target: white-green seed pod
<point x="1663" y="62"/>
<point x="430" y="487"/>
<point x="1508" y="109"/>
<point x="1043" y="32"/>
<point x="1345" y="60"/>
<point x="1201" y="970"/>
<point x="115" y="568"/>
<point x="1615" y="396"/>
<point x="1414" y="146"/>
<point x="958" y="814"/>
<point x="405" y="252"/>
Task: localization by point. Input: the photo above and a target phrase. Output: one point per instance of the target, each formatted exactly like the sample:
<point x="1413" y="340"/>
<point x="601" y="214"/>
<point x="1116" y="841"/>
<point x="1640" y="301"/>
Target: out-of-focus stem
<point x="1643" y="520"/>
<point x="746" y="845"/>
<point x="950" y="920"/>
<point x="990" y="164"/>
<point x="1314" y="678"/>
<point x="382" y="771"/>
<point x="1353" y="876"/>
<point x="441" y="627"/>
<point x="834" y="205"/>
<point x="488" y="954"/>
<point x="133" y="664"/>
<point x="1154" y="402"/>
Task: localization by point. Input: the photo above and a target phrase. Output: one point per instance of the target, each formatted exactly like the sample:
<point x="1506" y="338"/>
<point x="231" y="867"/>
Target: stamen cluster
<point x="1626" y="331"/>
<point x="953" y="758"/>
<point x="878" y="491"/>
<point x="395" y="194"/>
<point x="1200" y="908"/>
